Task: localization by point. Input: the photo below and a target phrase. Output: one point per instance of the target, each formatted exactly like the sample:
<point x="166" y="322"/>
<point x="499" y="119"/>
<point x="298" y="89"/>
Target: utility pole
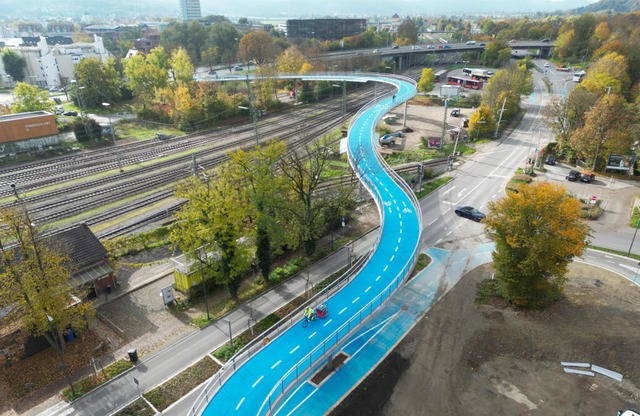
<point x="444" y="122"/>
<point x="495" y="134"/>
<point x="254" y="112"/>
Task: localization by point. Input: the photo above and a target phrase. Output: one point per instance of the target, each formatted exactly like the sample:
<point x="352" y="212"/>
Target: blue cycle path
<point x="246" y="392"/>
<point x="377" y="338"/>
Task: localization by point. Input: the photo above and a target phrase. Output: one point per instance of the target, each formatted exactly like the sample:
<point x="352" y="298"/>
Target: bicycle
<point x="306" y="319"/>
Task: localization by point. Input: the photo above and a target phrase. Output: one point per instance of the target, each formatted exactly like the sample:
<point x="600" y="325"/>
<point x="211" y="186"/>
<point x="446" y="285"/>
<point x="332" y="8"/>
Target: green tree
<point x="215" y="217"/>
<point x="427" y="80"/>
<point x="291" y="60"/>
<point x="537" y="231"/>
<point x="481" y="122"/>
<point x="266" y="192"/>
<point x="192" y="36"/>
<point x="14" y="64"/>
<point x="210" y="56"/>
<point x="145" y="74"/>
<point x="98" y="82"/>
<point x="609" y="73"/>
<point x="224" y="36"/>
<point x="30" y="98"/>
<point x="506" y="87"/>
<point x="86" y="129"/>
<point x="181" y="65"/>
<point x="34" y="283"/>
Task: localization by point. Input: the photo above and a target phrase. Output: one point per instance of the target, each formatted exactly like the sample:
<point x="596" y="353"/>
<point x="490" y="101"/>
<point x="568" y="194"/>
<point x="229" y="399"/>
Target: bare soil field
<point x="463" y="358"/>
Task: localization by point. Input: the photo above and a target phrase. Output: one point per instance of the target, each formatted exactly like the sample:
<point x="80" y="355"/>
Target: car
<point x="545" y="40"/>
<point x="447" y="47"/>
<point x="415" y="47"/>
<point x="440" y="47"/>
<point x="482" y="44"/>
<point x="470" y="213"/>
<point x="628" y="413"/>
<point x="471" y="42"/>
<point x="551" y="160"/>
<point x="374" y="51"/>
<point x="395" y="47"/>
<point x="512" y="41"/>
<point x="546" y="65"/>
<point x="238" y="68"/>
<point x="587" y="176"/>
<point x="250" y="63"/>
<point x="573" y="176"/>
<point x="387" y="139"/>
<point x="70" y="113"/>
<point x="455" y="112"/>
<point x="431" y="46"/>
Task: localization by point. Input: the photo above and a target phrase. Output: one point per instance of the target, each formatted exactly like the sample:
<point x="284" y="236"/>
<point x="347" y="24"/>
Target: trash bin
<point x="133" y="355"/>
<point x="108" y="289"/>
<point x="70" y="335"/>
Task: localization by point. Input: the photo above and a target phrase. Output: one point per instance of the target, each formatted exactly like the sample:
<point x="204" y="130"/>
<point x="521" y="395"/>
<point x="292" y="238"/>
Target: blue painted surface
<point x="245" y="392"/>
<point x="378" y="336"/>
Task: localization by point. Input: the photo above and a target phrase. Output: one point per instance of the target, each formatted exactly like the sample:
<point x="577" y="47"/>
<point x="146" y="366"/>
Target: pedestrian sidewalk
<point x="154" y="369"/>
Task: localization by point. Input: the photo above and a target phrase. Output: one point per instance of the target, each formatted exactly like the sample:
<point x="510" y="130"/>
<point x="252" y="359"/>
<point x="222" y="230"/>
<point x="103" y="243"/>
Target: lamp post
<point x="113" y="133"/>
<point x="56" y="343"/>
<point x="230" y="335"/>
<point x="204" y="285"/>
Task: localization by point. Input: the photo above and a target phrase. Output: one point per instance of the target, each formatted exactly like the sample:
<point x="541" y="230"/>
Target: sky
<point x="282" y="9"/>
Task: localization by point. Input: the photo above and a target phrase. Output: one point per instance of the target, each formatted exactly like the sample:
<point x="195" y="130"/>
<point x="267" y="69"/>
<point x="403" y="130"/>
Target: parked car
<point x="70" y="113"/>
<point x="388" y="140"/>
<point x="455" y="112"/>
<point x="573" y="176"/>
<point x="551" y="160"/>
<point x="465" y="122"/>
<point x="587" y="176"/>
<point x="238" y="68"/>
<point x="470" y="213"/>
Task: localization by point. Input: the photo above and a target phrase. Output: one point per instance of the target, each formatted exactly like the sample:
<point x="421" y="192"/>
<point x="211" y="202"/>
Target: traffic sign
<point x="594" y="199"/>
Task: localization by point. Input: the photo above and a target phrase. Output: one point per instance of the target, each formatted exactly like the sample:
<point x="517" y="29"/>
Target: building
<point x="50" y="66"/>
<point x="23" y="132"/>
<point x="190" y="10"/>
<point x="325" y="29"/>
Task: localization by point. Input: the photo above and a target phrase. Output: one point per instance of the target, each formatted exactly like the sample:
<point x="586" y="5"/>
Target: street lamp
<point x="204" y="286"/>
<point x="230" y="335"/>
<point x="113" y="132"/>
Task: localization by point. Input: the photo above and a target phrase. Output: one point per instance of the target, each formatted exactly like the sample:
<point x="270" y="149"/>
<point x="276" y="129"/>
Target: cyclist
<point x="309" y="314"/>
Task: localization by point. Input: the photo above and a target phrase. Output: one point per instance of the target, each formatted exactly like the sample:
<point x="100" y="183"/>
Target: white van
<point x="59" y="109"/>
<point x="471" y="42"/>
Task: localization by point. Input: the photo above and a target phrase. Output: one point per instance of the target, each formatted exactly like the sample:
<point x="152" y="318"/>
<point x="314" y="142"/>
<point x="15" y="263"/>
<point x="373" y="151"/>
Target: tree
<point x="565" y="116"/>
<point x="427" y="80"/>
<point x="192" y="36"/>
<point x="30" y="98"/>
<point x="14" y="64"/>
<point x="291" y="60"/>
<point x="99" y="82"/>
<point x="215" y="217"/>
<point x="608" y="72"/>
<point x="266" y="191"/>
<point x="86" y="129"/>
<point x="607" y="126"/>
<point x="145" y="74"/>
<point x="224" y="36"/>
<point x="34" y="282"/>
<point x="537" y="231"/>
<point x="509" y="84"/>
<point x="258" y="47"/>
<point x="210" y="56"/>
<point x="481" y="122"/>
<point x="181" y="65"/>
<point x="408" y="30"/>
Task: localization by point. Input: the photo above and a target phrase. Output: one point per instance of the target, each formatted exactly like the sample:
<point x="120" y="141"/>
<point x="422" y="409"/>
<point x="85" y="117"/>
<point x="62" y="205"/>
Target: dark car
<point x="482" y="44"/>
<point x="551" y="160"/>
<point x="573" y="176"/>
<point x="587" y="176"/>
<point x="70" y="113"/>
<point x="455" y="112"/>
<point x="471" y="213"/>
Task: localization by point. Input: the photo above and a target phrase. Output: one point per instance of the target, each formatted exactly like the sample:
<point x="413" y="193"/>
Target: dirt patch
<point x="326" y="370"/>
<point x="465" y="358"/>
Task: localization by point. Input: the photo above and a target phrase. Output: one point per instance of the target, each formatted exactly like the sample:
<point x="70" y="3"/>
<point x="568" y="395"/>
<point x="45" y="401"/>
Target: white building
<point x="52" y="66"/>
<point x="190" y="10"/>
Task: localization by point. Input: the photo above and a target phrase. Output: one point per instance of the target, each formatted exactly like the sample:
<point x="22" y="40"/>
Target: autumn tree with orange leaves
<point x="537" y="231"/>
<point x="258" y="47"/>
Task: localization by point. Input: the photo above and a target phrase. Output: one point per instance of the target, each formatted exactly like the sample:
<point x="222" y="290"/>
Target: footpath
<point x="153" y="370"/>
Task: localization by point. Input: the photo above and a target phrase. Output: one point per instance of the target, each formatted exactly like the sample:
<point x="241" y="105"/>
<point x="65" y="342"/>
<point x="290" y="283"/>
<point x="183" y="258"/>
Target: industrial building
<point x="190" y="10"/>
<point x="23" y="132"/>
<point x="325" y="29"/>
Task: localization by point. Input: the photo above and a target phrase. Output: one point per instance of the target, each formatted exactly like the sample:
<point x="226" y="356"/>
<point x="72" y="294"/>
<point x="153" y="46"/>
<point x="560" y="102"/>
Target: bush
<point x="280" y="273"/>
<point x="86" y="129"/>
